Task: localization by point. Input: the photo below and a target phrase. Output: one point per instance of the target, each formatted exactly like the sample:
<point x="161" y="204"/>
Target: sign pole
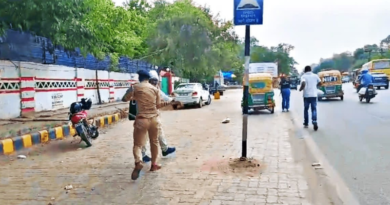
<point x="247" y="12"/>
<point x="246" y="94"/>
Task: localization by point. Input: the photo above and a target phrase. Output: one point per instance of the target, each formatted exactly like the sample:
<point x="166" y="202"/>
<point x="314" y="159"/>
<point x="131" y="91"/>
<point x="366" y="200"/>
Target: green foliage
<point x="190" y="41"/>
<point x="95" y="26"/>
<point x="182" y="36"/>
<point x="279" y="54"/>
<point x="349" y="61"/>
<point x="59" y="20"/>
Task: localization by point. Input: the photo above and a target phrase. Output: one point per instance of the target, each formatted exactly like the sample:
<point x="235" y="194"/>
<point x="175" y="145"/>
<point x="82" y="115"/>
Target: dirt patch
<point x="251" y="167"/>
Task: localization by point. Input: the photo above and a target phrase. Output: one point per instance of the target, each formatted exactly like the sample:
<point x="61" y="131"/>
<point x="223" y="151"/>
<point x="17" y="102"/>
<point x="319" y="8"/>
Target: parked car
<point x="380" y="80"/>
<point x="192" y="94"/>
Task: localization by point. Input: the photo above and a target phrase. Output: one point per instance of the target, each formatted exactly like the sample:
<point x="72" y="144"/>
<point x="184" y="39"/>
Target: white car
<point x="192" y="94"/>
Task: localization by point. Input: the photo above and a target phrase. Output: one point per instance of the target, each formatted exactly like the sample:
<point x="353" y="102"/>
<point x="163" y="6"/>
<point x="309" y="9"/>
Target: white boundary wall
<point x="27" y="87"/>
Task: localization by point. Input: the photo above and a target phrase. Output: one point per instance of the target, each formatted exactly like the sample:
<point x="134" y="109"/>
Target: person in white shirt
<point x="309" y="83"/>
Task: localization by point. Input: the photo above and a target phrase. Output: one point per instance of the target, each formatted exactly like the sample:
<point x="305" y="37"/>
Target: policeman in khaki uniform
<point x="166" y="150"/>
<point x="146" y="122"/>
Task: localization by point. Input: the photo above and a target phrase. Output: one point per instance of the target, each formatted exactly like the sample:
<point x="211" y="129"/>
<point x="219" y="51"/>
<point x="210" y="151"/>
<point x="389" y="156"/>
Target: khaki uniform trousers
<point x="161" y="139"/>
<point x="143" y="126"/>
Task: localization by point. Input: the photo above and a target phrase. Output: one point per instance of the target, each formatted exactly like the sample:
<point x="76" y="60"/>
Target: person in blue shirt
<point x="285" y="90"/>
<point x="365" y="79"/>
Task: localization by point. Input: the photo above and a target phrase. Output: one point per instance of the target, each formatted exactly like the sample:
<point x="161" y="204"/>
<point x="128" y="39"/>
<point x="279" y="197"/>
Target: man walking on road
<point x="309" y="83"/>
<point x="154" y="80"/>
<point x="148" y="102"/>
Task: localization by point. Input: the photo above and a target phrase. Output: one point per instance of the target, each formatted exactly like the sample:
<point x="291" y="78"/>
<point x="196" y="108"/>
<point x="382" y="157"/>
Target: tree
<point x="189" y="40"/>
<point x="59" y="20"/>
<point x="343" y="61"/>
<point x="346" y="61"/>
<point x="116" y="31"/>
<point x="279" y="54"/>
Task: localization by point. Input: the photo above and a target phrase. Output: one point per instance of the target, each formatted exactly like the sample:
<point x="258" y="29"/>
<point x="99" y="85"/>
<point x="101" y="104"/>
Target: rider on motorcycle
<point x="365" y="79"/>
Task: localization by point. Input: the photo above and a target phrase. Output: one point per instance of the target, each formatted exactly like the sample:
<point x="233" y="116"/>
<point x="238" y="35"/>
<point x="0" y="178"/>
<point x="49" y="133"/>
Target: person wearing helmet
<point x="365" y="79"/>
<point x="146" y="121"/>
<point x="154" y="80"/>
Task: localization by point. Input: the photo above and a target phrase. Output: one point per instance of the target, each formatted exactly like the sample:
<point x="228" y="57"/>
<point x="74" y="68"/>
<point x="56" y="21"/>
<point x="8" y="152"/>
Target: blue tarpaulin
<point x="227" y="75"/>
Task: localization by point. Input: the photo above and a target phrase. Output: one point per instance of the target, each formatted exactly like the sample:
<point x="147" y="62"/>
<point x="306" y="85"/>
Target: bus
<point x="378" y="66"/>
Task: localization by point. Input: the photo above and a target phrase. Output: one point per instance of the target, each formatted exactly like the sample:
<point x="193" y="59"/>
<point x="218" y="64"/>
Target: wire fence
<point x="22" y="46"/>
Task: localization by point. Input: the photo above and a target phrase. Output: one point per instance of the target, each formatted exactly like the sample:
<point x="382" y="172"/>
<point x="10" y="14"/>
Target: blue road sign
<point x="248" y="12"/>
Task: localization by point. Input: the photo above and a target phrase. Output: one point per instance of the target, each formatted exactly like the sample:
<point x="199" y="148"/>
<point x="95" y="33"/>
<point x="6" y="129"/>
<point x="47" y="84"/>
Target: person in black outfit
<point x="285" y="90"/>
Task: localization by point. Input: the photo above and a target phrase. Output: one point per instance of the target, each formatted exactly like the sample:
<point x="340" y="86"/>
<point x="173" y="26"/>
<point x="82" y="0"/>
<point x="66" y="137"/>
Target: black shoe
<point x="146" y="159"/>
<point x="170" y="150"/>
<point x="305" y="125"/>
<point x="315" y="125"/>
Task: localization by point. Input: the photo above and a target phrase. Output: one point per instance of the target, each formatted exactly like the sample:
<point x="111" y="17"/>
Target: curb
<point x="334" y="185"/>
<point x="9" y="146"/>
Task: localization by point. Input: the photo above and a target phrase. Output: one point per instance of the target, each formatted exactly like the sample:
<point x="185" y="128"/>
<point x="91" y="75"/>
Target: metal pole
<point x="245" y="94"/>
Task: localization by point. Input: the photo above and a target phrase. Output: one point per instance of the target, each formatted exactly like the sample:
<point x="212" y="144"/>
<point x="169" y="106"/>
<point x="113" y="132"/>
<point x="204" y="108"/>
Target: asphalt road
<point x="354" y="136"/>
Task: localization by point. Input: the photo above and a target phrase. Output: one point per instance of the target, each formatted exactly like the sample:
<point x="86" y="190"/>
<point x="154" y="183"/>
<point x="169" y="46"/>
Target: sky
<point x="316" y="28"/>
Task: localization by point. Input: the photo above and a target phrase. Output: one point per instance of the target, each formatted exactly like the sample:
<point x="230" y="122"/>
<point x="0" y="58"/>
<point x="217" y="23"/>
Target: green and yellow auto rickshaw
<point x="331" y="86"/>
<point x="261" y="92"/>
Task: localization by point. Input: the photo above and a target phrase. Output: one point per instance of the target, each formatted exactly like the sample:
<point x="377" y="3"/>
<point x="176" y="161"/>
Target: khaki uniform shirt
<point x="147" y="97"/>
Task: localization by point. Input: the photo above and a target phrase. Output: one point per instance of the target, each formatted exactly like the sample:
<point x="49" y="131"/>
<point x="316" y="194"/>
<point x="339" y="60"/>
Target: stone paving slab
<point x="203" y="171"/>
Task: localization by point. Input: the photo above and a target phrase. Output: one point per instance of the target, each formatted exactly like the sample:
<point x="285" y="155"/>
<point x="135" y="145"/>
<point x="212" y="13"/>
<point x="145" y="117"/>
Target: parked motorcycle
<point x="367" y="93"/>
<point x="78" y="116"/>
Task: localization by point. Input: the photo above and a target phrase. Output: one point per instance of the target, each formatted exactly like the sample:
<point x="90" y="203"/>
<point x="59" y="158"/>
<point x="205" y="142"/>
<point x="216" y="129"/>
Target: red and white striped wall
<point x="52" y="87"/>
<point x="80" y="88"/>
<point x="27" y="89"/>
<point x="112" y="91"/>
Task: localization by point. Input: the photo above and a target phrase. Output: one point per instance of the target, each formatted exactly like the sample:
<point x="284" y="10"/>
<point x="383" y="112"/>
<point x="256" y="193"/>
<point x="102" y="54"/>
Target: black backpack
<point x="133" y="109"/>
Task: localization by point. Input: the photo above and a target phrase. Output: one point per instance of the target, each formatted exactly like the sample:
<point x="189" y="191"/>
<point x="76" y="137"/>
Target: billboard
<point x="271" y="68"/>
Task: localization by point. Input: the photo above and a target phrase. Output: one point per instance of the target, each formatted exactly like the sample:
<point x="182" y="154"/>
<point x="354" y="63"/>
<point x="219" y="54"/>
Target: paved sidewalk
<point x="204" y="170"/>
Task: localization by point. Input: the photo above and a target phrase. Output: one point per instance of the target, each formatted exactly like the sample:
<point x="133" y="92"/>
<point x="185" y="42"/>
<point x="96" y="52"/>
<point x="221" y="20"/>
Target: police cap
<point x="143" y="73"/>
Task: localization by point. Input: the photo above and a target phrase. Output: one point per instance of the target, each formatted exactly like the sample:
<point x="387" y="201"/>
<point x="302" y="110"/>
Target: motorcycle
<point x="367" y="93"/>
<point x="78" y="117"/>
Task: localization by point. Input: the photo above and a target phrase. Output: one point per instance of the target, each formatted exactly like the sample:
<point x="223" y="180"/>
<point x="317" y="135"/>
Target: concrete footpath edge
<point x="9" y="146"/>
<point x="337" y="191"/>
